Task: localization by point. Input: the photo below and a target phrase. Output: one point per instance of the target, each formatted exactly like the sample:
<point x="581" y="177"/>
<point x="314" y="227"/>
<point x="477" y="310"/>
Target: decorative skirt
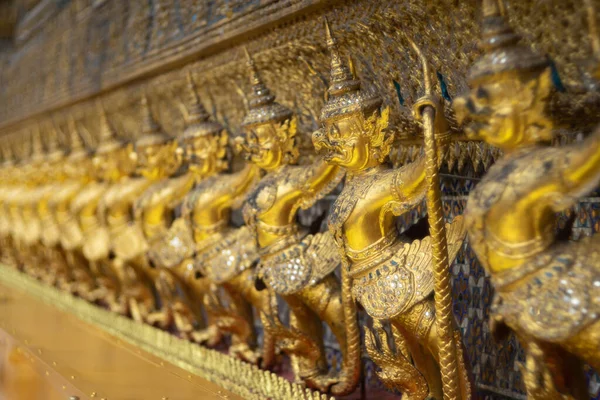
<point x="300" y="265"/>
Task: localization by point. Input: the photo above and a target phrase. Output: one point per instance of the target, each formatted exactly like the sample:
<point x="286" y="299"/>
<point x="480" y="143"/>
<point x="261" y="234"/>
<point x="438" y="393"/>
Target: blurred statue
<point x="111" y="164"/>
<point x="201" y="152"/>
<point x="295" y="264"/>
<point x="155" y="158"/>
<point x="546" y="290"/>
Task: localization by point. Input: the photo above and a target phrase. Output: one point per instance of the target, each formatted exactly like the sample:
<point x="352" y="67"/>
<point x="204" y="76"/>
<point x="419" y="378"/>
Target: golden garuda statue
<point x="547" y="290"/>
<point x="391" y="277"/>
<point x="295" y="264"/>
<point x="207" y="253"/>
<point x="202" y="151"/>
<point x="111" y="164"/>
<point x="155" y="158"/>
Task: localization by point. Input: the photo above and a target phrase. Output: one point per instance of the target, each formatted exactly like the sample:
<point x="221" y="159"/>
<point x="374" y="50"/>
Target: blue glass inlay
<point x="443" y="86"/>
<point x="399" y="93"/>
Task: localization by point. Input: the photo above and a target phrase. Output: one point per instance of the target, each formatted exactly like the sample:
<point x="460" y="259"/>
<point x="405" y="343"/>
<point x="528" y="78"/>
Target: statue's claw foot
<point x="160" y="319"/>
<point x="245" y="353"/>
<point x="322" y="383"/>
<point x="117" y="307"/>
<point x="210" y="336"/>
<point x="139" y="311"/>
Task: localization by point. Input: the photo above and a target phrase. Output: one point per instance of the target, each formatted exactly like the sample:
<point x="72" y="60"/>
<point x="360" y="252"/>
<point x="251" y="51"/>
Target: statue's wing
<point x="406" y="278"/>
<point x="323" y="254"/>
<point x="175" y="246"/>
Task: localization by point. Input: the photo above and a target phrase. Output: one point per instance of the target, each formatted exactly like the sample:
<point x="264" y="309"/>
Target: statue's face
<point x="507" y="111"/>
<point x="350" y="141"/>
<point x="271" y="145"/>
<point x="113" y="164"/>
<point x="155" y="161"/>
<point x="204" y="155"/>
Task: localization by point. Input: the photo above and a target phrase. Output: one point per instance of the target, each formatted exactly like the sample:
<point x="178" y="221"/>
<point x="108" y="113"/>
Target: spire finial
<point x="341" y="79"/>
<point x="149" y="125"/>
<point x="152" y="132"/>
<point x="493" y="8"/>
<point x="51" y="141"/>
<point x="255" y="79"/>
<point x="37" y="147"/>
<point x="6" y="152"/>
<point x="196" y="111"/>
<point x="261" y="95"/>
<point x="107" y="131"/>
<point x="23" y="147"/>
<point x="500" y="43"/>
<point x="344" y="85"/>
<point x="496" y="32"/>
<point x="594" y="34"/>
<point x="19" y="148"/>
<point x="76" y="142"/>
<point x="262" y="106"/>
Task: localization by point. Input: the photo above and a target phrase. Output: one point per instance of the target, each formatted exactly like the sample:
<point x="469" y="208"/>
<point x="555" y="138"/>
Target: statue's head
<point x="353" y="133"/>
<point x="510" y="85"/>
<point x="269" y="128"/>
<point x="112" y="159"/>
<point x="203" y="145"/>
<point x="155" y="152"/>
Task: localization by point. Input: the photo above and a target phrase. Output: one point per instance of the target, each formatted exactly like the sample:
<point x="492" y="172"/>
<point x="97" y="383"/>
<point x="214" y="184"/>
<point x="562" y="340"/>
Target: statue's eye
<point x="481" y="94"/>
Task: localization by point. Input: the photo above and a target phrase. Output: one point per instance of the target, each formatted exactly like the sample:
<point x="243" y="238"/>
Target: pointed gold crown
<point x="8" y="157"/>
<point x="345" y="94"/>
<point x="152" y="132"/>
<point x="501" y="45"/>
<point x="77" y="147"/>
<point x="18" y="148"/>
<point x="53" y="148"/>
<point x="24" y="150"/>
<point x="198" y="119"/>
<point x="37" y="146"/>
<point x="108" y="139"/>
<point x="262" y="107"/>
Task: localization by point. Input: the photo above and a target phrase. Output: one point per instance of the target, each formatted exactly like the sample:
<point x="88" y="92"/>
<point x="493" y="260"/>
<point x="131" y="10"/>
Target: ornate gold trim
<point x="241" y="378"/>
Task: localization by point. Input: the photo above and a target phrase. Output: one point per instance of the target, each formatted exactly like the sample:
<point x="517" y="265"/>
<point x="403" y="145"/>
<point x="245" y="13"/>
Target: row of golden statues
<point x="144" y="229"/>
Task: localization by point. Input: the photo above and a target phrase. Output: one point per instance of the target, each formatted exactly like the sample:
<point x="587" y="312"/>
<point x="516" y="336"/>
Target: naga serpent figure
<point x="201" y="154"/>
<point x="392" y="278"/>
<point x="155" y="159"/>
<point x="294" y="264"/>
<point x="547" y="291"/>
